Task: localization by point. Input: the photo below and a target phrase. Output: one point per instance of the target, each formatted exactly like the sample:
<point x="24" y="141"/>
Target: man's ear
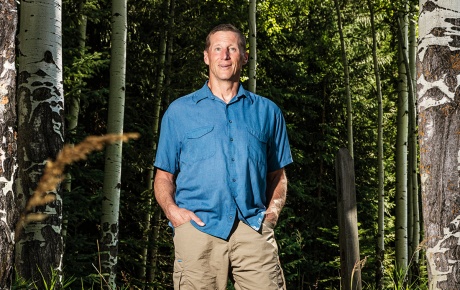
<point x="245" y="57"/>
<point x="205" y="57"/>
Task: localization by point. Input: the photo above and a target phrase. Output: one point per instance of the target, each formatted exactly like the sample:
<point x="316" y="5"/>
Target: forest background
<point x="310" y="62"/>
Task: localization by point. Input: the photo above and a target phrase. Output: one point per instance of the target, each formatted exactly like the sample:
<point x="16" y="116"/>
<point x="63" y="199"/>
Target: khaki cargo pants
<point x="205" y="262"/>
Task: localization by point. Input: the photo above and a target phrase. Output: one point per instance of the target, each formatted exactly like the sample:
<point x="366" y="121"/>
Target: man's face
<point x="224" y="57"/>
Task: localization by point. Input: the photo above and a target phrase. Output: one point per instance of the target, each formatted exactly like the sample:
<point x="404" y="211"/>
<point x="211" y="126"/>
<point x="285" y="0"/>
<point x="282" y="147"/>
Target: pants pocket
<point x="177" y="278"/>
<point x="178" y="275"/>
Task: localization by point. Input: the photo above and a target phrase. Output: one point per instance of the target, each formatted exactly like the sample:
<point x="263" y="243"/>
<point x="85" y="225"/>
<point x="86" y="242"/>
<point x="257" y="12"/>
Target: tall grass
<point x="52" y="176"/>
<point x="53" y="173"/>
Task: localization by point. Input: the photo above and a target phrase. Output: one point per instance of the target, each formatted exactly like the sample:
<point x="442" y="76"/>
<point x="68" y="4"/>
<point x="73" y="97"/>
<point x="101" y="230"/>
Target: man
<point x="220" y="176"/>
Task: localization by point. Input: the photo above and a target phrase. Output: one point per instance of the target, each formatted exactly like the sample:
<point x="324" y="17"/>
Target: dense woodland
<point x="299" y="67"/>
<point x="335" y="69"/>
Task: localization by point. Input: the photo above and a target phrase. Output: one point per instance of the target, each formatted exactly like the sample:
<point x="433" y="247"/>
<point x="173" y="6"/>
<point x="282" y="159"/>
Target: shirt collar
<point x="205" y="92"/>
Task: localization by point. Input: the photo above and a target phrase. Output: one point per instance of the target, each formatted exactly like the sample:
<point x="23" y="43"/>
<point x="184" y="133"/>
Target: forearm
<point x="276" y="194"/>
<point x="164" y="188"/>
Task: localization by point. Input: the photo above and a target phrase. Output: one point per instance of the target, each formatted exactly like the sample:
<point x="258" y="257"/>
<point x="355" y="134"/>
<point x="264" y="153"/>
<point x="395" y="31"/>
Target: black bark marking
<point x="436" y="62"/>
<point x="41" y="73"/>
<point x="455" y="41"/>
<point x="438" y="31"/>
<point x="23" y="77"/>
<point x="41" y="94"/>
<point x="453" y="21"/>
<point x="430" y="6"/>
<point x="48" y="57"/>
<point x="56" y="91"/>
<point x="43" y="145"/>
<point x="451" y="81"/>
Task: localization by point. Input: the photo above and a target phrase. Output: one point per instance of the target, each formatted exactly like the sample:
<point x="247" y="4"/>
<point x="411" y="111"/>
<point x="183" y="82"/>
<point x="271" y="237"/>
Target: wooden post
<point x="348" y="225"/>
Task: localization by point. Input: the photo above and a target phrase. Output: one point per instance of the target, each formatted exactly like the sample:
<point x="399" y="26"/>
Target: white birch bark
<point x="438" y="92"/>
<point x="112" y="170"/>
<point x="8" y="160"/>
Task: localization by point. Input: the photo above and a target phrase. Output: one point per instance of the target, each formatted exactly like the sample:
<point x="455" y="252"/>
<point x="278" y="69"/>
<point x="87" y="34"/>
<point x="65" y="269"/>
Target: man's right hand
<point x="179" y="216"/>
<point x="164" y="192"/>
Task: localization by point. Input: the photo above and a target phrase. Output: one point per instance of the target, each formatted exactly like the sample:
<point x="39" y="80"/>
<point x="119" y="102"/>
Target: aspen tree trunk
<point x="169" y="54"/>
<point x="152" y="254"/>
<point x="381" y="170"/>
<point x="412" y="181"/>
<point x="252" y="82"/>
<point x="438" y="89"/>
<point x="8" y="146"/>
<point x="113" y="154"/>
<point x="74" y="106"/>
<point x="74" y="103"/>
<point x="401" y="151"/>
<point x="39" y="249"/>
<point x="346" y="80"/>
<point x="414" y="225"/>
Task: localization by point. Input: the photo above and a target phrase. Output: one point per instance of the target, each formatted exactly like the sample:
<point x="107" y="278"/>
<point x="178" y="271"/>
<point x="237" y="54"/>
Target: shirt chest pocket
<point x="257" y="146"/>
<point x="199" y="144"/>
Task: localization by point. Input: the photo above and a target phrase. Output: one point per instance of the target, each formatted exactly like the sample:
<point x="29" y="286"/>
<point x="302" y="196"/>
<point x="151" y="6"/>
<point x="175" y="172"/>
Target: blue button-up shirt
<point x="221" y="154"/>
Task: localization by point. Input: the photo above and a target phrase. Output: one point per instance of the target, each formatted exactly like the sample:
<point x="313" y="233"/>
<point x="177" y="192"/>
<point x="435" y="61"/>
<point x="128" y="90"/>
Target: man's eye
<point x="232" y="49"/>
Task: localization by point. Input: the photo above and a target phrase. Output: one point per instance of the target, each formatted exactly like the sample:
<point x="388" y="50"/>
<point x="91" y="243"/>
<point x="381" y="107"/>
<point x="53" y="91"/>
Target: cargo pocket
<point x="199" y="144"/>
<point x="177" y="278"/>
<point x="178" y="275"/>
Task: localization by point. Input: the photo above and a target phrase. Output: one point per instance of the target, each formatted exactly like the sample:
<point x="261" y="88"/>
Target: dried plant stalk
<point x="53" y="173"/>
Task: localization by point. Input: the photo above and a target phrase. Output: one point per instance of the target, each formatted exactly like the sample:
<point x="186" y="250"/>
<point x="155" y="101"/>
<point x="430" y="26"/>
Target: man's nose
<point x="226" y="53"/>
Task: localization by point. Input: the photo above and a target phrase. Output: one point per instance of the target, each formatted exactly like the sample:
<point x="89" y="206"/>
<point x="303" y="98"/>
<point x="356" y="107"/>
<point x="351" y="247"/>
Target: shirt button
<point x="230" y="121"/>
<point x="233" y="159"/>
<point x="231" y="139"/>
<point x="234" y="180"/>
<point x="231" y="217"/>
